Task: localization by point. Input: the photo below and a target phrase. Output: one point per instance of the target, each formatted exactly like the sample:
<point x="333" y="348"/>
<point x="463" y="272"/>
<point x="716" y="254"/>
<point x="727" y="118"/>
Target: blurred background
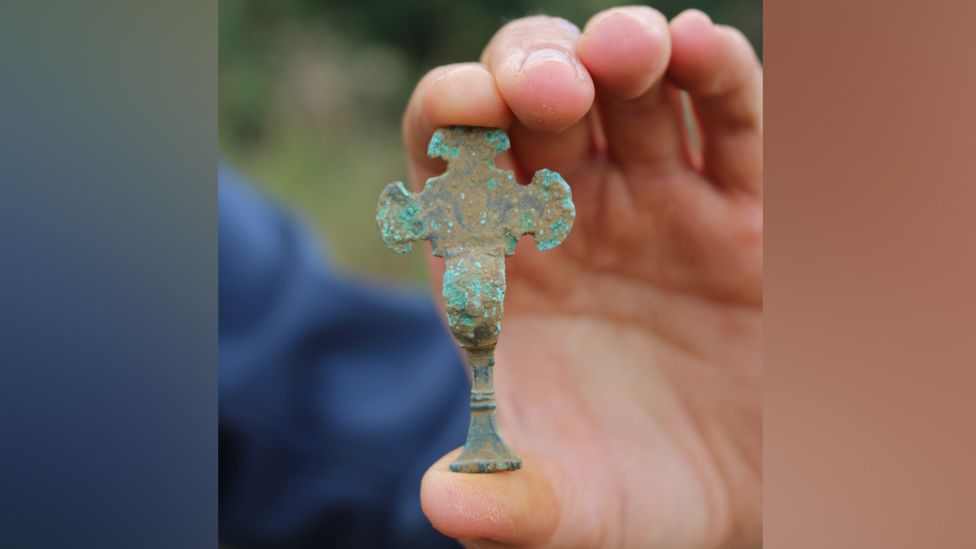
<point x="311" y="94"/>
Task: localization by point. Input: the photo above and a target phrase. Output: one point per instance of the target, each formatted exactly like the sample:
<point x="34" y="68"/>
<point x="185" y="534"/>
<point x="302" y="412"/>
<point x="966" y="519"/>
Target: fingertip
<point x="461" y="94"/>
<point x="516" y="507"/>
<point x="626" y="49"/>
<point x="464" y="94"/>
<point x="739" y="39"/>
<point x="696" y="46"/>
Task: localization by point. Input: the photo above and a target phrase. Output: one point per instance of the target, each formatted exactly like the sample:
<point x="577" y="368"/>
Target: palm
<point x="629" y="384"/>
<point x="628" y="368"/>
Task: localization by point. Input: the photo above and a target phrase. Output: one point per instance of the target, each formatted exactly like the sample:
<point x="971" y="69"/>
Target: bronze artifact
<point x="473" y="216"/>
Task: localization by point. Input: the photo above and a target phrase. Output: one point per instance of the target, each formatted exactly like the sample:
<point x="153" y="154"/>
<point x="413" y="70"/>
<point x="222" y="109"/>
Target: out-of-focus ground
<point x="311" y="95"/>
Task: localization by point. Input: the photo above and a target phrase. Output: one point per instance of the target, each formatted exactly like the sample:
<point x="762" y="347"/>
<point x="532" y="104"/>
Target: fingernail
<point x="568" y="26"/>
<point x="542" y="56"/>
<point x="545" y="55"/>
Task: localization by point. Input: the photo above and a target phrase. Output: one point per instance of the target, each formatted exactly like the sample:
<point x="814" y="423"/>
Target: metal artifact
<point x="473" y="215"/>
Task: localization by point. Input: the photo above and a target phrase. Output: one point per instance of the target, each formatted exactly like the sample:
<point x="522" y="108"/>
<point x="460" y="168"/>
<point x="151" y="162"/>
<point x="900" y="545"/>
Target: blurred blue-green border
<point x="108" y="276"/>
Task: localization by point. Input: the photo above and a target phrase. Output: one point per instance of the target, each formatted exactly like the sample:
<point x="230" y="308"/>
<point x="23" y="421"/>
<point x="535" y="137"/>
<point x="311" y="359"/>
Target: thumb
<point x="513" y="508"/>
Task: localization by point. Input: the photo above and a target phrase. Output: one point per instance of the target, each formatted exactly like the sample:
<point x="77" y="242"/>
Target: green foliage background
<point x="311" y="95"/>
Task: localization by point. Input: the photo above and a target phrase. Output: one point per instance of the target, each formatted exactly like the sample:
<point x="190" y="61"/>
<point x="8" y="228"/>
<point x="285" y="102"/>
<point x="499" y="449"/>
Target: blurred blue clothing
<point x="335" y="396"/>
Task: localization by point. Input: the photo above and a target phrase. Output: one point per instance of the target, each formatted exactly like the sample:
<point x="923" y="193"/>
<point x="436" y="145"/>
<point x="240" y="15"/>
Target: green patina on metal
<point x="474" y="215"/>
<point x="438" y="148"/>
<point x="557" y="232"/>
<point x="401" y="222"/>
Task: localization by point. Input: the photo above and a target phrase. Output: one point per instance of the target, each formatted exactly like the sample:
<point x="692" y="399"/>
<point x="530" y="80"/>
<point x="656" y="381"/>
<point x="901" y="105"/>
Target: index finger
<point x="462" y="94"/>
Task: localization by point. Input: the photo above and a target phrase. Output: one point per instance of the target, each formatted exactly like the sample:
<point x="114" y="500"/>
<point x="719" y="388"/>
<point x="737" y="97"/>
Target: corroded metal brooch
<point x="473" y="215"/>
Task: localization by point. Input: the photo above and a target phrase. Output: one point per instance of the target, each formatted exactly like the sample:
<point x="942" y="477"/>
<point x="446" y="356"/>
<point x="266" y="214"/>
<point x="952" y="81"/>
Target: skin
<point x="628" y="371"/>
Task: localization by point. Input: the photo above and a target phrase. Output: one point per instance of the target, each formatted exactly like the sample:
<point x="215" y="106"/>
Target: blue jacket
<point x="335" y="396"/>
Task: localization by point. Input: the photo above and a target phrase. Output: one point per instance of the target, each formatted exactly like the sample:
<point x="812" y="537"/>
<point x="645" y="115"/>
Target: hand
<point x="628" y="371"/>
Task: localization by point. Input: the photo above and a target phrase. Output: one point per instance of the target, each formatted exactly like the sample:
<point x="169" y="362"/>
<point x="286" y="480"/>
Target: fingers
<point x="514" y="508"/>
<point x="461" y="94"/>
<point x="720" y="71"/>
<point x="534" y="63"/>
<point x="626" y="50"/>
<point x="540" y="77"/>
